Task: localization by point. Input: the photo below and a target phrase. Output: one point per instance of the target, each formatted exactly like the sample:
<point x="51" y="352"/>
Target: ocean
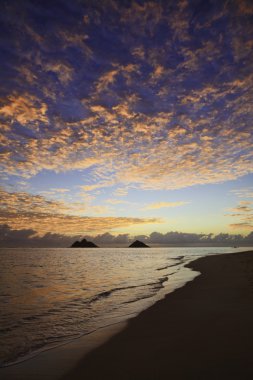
<point x="52" y="296"/>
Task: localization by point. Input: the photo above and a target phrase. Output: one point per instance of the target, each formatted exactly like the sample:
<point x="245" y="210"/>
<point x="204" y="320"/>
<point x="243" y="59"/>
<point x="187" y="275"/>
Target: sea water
<point x="51" y="296"/>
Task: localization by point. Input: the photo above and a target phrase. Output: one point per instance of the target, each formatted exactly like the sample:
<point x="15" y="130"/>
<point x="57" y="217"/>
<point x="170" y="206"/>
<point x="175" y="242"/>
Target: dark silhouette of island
<point x="84" y="244"/>
<point x="138" y="244"/>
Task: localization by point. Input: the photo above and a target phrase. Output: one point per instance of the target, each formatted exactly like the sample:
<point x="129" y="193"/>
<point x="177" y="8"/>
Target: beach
<point x="126" y="213"/>
<point x="200" y="331"/>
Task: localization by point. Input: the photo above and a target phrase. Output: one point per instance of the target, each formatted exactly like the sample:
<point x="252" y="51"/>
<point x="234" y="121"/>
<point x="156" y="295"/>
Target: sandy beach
<point x="200" y="331"/>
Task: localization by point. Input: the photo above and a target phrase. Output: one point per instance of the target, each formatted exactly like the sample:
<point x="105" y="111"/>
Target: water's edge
<point x="105" y="332"/>
<point x="88" y="341"/>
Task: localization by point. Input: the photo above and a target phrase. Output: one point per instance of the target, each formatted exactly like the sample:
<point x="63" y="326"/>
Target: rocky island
<point x="138" y="244"/>
<point x="84" y="244"/>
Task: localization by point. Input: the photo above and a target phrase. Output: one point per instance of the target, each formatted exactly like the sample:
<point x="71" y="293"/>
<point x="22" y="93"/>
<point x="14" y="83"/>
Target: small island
<point x="138" y="244"/>
<point x="84" y="244"/>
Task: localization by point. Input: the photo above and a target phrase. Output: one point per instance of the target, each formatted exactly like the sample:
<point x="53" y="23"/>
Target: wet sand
<point x="54" y="363"/>
<point x="201" y="331"/>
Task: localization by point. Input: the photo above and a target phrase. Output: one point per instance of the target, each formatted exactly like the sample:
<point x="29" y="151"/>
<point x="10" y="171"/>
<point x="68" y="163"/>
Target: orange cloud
<point x="242" y="226"/>
<point x="37" y="213"/>
<point x="157" y="205"/>
<point x="25" y="109"/>
<point x="69" y="224"/>
<point x="106" y="79"/>
<point x="142" y="17"/>
<point x="70" y="39"/>
<point x="243" y="212"/>
<point x="63" y="71"/>
<point x="152" y="150"/>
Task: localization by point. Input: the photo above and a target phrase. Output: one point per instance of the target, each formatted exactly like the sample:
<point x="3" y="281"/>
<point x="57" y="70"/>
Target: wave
<point x="156" y="285"/>
<point x="107" y="293"/>
<point x="168" y="266"/>
<point x="81" y="311"/>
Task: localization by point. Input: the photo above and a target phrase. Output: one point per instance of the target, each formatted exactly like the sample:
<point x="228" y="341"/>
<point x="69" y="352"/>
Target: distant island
<point x="84" y="244"/>
<point x="89" y="244"/>
<point x="138" y="244"/>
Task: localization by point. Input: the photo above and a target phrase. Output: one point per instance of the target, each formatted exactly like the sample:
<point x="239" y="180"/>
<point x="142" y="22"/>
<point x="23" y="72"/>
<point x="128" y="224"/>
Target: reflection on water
<point x="48" y="296"/>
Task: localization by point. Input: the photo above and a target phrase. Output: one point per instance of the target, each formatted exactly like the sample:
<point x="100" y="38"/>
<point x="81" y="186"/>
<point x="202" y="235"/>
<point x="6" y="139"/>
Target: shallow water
<point x="50" y="296"/>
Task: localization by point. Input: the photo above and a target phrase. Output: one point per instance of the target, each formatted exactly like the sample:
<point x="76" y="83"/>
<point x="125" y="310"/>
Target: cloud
<point x="242" y="208"/>
<point x="142" y="18"/>
<point x="44" y="216"/>
<point x="100" y="210"/>
<point x="138" y="52"/>
<point x="109" y="77"/>
<point x="245" y="7"/>
<point x="121" y="192"/>
<point x="181" y="238"/>
<point x="64" y="72"/>
<point x="22" y="202"/>
<point x="243" y="193"/>
<point x="101" y="184"/>
<point x="44" y="223"/>
<point x="25" y="109"/>
<point x="28" y="238"/>
<point x="60" y="190"/>
<point x="243" y="225"/>
<point x="75" y="39"/>
<point x="139" y="93"/>
<point x="158" y="72"/>
<point x="243" y="212"/>
<point x="27" y="73"/>
<point x="118" y="201"/>
<point x="157" y="205"/>
<point x="106" y="79"/>
<point x="110" y="240"/>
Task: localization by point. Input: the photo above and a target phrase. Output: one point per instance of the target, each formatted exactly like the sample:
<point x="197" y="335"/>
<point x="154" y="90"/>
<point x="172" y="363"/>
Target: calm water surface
<point x="51" y="296"/>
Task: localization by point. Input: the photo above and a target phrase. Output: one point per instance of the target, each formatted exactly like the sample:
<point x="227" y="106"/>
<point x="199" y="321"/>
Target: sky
<point x="125" y="118"/>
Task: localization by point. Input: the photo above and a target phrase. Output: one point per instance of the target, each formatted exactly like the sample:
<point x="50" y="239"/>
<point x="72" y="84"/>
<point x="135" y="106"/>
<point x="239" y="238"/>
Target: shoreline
<point x="119" y="342"/>
<point x="200" y="331"/>
<point x="53" y="363"/>
<point x="49" y="360"/>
